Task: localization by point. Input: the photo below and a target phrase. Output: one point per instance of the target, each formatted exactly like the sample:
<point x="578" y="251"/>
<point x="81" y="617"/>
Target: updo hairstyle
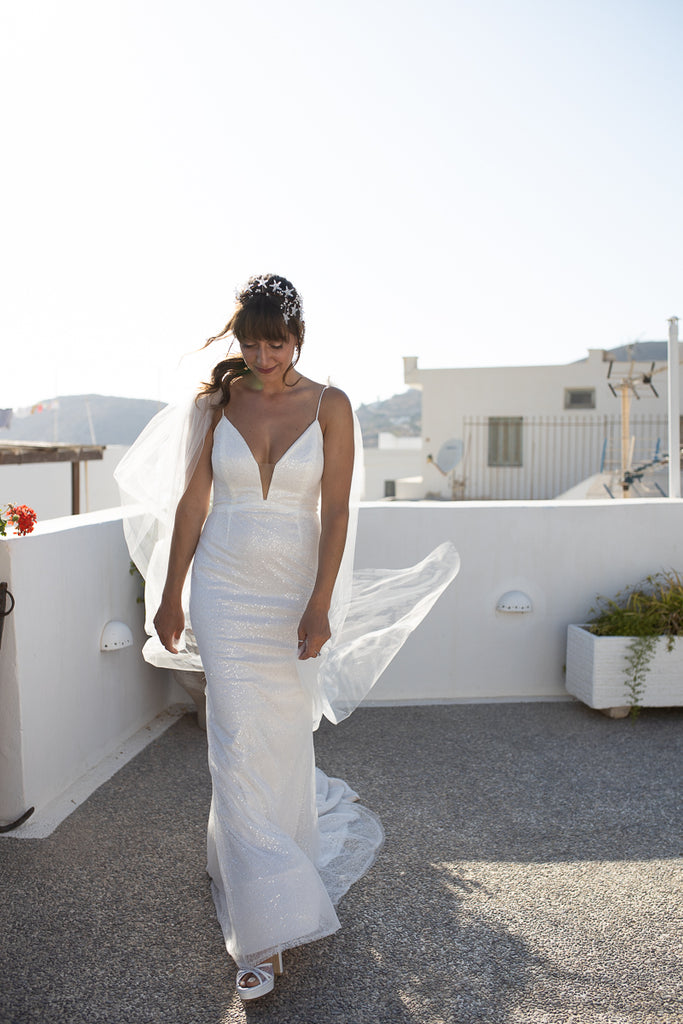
<point x="268" y="308"/>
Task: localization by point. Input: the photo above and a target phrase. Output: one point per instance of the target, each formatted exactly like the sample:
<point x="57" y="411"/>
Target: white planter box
<point x="596" y="671"/>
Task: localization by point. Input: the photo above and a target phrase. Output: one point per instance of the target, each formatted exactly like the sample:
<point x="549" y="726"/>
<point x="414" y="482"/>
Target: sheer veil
<point x="152" y="477"/>
<point x="372" y="613"/>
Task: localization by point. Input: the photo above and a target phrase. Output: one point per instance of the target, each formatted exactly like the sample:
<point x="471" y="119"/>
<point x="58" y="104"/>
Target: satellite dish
<point x="450" y="454"/>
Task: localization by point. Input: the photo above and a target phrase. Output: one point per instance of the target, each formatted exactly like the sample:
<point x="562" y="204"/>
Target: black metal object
<point x="647" y="379"/>
<point x="20" y="821"/>
<point x="4" y="611"/>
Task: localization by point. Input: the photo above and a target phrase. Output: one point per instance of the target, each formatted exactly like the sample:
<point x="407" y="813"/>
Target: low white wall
<point x="561" y="554"/>
<point x="46" y="486"/>
<point x="64" y="705"/>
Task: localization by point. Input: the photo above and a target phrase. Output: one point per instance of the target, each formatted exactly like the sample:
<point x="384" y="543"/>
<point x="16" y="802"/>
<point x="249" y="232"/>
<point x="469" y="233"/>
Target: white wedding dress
<point x="284" y="841"/>
<point x="270" y="841"/>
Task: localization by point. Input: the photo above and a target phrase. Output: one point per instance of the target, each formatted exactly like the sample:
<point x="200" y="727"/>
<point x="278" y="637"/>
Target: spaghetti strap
<point x="317" y="411"/>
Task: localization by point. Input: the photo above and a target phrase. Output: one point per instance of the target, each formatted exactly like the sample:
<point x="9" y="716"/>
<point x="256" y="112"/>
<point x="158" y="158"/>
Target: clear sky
<point x="475" y="182"/>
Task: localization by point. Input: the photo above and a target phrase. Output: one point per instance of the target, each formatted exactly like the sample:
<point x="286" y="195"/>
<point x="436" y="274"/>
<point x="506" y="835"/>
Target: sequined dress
<point x="284" y="841"/>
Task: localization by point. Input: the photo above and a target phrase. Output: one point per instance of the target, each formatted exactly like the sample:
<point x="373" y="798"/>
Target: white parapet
<point x="560" y="554"/>
<point x="65" y="705"/>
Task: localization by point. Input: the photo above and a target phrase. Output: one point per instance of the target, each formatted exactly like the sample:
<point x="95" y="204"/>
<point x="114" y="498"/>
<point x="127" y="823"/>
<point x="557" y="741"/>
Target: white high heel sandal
<point x="264" y="973"/>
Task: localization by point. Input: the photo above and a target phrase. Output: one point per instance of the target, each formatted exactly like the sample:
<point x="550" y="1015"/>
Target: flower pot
<point x="597" y="671"/>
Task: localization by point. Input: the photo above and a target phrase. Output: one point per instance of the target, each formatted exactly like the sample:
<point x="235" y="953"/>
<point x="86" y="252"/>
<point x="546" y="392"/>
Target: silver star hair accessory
<point x="287" y="297"/>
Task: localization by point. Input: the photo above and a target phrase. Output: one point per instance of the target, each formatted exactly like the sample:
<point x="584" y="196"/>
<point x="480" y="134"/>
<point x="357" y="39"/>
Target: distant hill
<point x="120" y="420"/>
<point x="114" y="420"/>
<point x="400" y="415"/>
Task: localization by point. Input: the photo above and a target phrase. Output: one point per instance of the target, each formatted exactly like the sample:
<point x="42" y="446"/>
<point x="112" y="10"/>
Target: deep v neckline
<point x="274" y="464"/>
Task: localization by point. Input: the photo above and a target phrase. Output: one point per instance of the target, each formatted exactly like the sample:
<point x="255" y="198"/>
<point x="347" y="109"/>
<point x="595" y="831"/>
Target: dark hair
<point x="268" y="309"/>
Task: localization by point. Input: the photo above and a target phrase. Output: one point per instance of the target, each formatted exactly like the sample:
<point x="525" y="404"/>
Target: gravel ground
<point x="532" y="872"/>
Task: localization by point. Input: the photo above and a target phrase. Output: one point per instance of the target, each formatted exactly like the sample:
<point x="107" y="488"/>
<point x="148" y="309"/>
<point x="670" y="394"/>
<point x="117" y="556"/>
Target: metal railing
<point x="555" y="452"/>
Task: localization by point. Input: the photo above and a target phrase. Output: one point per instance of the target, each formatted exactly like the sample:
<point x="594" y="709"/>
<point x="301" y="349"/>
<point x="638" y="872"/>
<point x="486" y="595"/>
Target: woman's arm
<point x="191" y="513"/>
<point x="337" y="426"/>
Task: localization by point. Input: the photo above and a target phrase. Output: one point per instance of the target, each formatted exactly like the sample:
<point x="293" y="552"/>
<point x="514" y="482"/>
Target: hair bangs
<point x="260" y="319"/>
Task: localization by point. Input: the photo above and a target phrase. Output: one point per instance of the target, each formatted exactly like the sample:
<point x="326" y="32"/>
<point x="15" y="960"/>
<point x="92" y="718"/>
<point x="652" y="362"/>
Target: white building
<point x="392" y="466"/>
<point x="535" y="431"/>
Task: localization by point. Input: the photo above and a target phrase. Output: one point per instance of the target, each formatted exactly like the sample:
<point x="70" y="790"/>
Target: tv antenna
<point x="626" y="387"/>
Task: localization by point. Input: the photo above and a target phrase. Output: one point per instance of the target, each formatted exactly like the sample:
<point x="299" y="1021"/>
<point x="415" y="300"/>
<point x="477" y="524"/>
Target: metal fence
<point x="553" y="453"/>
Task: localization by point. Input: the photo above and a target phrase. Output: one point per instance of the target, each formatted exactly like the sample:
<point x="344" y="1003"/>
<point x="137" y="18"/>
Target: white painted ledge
<point x="43" y="822"/>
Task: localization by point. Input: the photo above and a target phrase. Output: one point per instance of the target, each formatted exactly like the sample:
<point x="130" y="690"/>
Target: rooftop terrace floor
<point x="531" y="872"/>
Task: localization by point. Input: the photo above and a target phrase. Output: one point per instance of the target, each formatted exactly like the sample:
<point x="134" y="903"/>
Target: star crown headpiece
<point x="277" y="288"/>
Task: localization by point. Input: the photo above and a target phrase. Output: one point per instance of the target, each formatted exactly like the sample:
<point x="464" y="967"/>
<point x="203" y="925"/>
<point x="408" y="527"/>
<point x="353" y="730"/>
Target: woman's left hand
<point x="314" y="631"/>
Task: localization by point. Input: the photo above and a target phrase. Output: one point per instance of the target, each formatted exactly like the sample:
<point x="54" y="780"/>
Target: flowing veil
<point x="373" y="611"/>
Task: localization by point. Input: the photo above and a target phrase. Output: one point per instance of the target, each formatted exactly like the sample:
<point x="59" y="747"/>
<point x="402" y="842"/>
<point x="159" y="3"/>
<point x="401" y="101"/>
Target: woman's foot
<point x="254" y="982"/>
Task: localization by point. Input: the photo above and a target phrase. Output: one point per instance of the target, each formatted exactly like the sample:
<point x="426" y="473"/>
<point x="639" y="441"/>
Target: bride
<point x="270" y="595"/>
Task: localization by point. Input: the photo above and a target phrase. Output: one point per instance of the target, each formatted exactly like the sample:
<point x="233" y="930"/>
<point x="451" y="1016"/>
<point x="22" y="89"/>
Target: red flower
<point x="22" y="518"/>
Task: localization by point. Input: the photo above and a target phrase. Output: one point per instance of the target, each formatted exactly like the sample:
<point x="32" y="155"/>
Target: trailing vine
<point x="134" y="571"/>
<point x="638" y="655"/>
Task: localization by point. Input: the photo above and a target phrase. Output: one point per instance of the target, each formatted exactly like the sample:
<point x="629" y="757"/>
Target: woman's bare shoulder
<point x="335" y="407"/>
<point x="331" y="398"/>
<point x="336" y="397"/>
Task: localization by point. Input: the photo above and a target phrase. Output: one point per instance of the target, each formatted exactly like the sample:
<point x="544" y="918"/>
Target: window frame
<point x="579" y="407"/>
<point x="505" y="442"/>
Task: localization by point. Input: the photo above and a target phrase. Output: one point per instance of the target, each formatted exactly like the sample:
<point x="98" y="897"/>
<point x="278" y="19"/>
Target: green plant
<point x="646" y="611"/>
<point x="134" y="571"/>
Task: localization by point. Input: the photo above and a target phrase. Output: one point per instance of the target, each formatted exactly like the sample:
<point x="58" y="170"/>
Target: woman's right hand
<point x="169" y="623"/>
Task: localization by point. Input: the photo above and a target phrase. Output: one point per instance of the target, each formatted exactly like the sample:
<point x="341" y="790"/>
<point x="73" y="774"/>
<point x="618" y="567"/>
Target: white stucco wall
<point x="454" y="392"/>
<point x="561" y="554"/>
<point x="65" y="705"/>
